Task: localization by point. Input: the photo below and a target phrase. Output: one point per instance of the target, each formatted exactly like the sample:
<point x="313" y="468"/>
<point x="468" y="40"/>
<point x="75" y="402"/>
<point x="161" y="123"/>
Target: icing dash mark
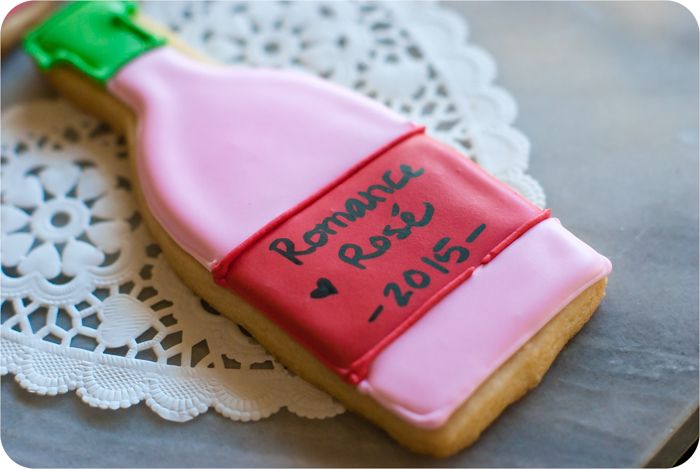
<point x="475" y="234"/>
<point x="324" y="288"/>
<point x="376" y="313"/>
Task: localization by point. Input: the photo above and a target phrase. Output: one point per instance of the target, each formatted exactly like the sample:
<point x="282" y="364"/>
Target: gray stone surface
<point x="608" y="94"/>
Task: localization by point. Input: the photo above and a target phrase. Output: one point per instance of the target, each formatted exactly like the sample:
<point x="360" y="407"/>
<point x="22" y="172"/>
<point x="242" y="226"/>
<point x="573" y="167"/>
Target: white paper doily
<point x="89" y="303"/>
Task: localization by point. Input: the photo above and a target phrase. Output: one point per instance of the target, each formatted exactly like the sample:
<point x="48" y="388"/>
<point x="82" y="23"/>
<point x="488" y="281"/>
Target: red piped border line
<point x="221" y="268"/>
<point x="360" y="367"/>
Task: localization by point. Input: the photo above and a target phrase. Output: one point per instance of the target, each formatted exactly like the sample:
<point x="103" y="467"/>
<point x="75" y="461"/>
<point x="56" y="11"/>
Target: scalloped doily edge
<point x="502" y="127"/>
<point x="175" y="393"/>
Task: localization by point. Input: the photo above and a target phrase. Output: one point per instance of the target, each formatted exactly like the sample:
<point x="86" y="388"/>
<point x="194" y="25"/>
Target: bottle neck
<point x="97" y="38"/>
<point x="154" y="79"/>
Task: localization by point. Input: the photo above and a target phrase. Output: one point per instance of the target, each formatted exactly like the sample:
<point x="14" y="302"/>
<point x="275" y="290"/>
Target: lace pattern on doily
<point x="88" y="302"/>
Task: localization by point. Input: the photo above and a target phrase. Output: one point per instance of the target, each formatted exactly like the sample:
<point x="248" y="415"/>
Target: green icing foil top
<point x="97" y="38"/>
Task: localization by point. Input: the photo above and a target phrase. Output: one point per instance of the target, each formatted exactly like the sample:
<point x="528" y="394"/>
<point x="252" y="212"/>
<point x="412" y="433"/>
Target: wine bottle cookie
<point x="375" y="262"/>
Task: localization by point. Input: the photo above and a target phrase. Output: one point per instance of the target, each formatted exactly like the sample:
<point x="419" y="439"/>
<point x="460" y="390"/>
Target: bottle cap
<point x="97" y="38"/>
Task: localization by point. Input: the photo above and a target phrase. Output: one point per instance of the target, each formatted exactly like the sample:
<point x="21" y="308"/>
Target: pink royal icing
<point x="427" y="372"/>
<point x="224" y="150"/>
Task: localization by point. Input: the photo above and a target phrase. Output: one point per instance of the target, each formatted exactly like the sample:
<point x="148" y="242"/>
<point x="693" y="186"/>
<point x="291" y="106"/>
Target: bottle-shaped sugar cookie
<point x="374" y="261"/>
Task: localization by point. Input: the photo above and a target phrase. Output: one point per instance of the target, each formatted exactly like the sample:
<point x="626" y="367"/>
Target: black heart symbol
<point x="324" y="288"/>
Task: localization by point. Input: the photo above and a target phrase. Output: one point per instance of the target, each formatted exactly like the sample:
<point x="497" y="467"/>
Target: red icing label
<point x="351" y="271"/>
